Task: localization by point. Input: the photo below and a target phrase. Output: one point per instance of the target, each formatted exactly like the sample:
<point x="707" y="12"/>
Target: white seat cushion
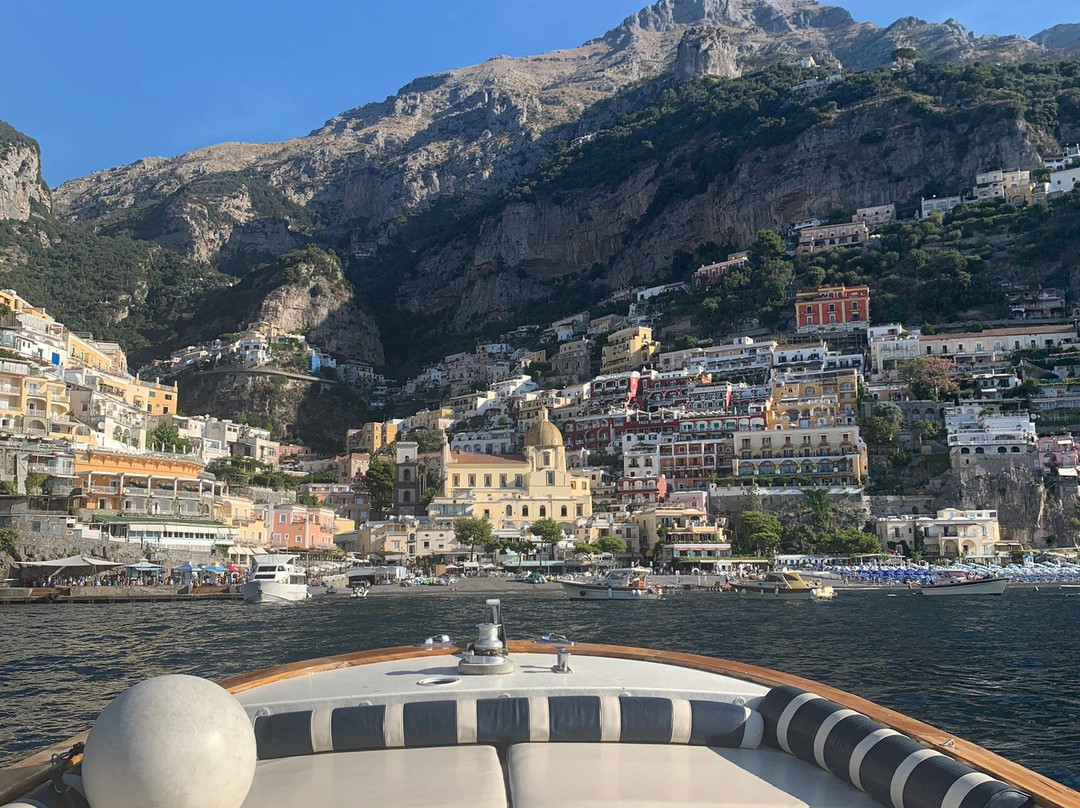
<point x="466" y="776"/>
<point x="585" y="774"/>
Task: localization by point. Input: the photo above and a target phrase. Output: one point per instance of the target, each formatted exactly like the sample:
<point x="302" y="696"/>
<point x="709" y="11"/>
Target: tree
<point x="903" y="55"/>
<point x="548" y="531"/>
<point x="758" y="532"/>
<point x="766" y="246"/>
<point x="612" y="544"/>
<point x="880" y="431"/>
<point x="166" y="438"/>
<point x="378" y="484"/>
<point x="929" y="378"/>
<point x="471" y="531"/>
<point x="850" y="541"/>
<point x="427" y="440"/>
<point x="927" y="429"/>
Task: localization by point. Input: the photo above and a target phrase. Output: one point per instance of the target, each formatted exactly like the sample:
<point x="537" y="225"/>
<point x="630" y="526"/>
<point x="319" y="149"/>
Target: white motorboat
<point x="965" y="586"/>
<point x="275" y="579"/>
<point x="630" y="583"/>
<point x="490" y="723"/>
<point x="784" y="586"/>
<point x="359" y="593"/>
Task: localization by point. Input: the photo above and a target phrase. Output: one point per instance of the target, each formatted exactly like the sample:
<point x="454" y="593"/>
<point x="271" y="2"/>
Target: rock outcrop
<point x="304" y="292"/>
<point x="21" y="186"/>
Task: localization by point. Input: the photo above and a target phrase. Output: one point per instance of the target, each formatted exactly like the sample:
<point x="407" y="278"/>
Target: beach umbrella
<point x="215" y="569"/>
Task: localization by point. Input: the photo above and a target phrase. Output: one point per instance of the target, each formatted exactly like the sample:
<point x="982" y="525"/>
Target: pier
<point x="16" y="595"/>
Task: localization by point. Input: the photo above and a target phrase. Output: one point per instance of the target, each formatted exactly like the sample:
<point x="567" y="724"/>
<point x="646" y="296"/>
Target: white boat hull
<point x="273" y="592"/>
<point x="993" y="586"/>
<point x="779" y="593"/>
<point x="595" y="592"/>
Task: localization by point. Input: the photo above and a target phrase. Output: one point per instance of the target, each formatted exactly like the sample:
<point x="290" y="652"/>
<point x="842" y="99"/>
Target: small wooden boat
<point x="784" y="586"/>
<point x="966" y="586"/>
<point x="630" y="583"/>
<point x="489" y="723"/>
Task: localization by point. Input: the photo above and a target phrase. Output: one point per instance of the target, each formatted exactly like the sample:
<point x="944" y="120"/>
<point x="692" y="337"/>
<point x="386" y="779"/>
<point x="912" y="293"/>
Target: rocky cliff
<point x="471" y="132"/>
<point x="21" y="186"/>
<point x="304" y="292"/>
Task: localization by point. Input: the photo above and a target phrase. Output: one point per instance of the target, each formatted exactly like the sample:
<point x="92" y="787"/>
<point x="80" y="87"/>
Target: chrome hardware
<point x="558" y="639"/>
<point x="487" y="655"/>
<point x="562" y="660"/>
<point x="438" y="641"/>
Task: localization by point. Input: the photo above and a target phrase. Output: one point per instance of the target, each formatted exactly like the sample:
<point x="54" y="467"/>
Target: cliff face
<point x="871" y="155"/>
<point x="314" y="413"/>
<point x="20" y="175"/>
<point x="469" y="132"/>
<point x="304" y="292"/>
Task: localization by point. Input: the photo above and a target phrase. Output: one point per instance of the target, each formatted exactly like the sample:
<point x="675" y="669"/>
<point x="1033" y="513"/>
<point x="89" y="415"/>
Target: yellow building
<point x="826" y="455"/>
<point x="840" y="384"/>
<point x="629" y="349"/>
<point x="242" y="514"/>
<point x="32" y="402"/>
<point x="371" y="437"/>
<point x="144" y="484"/>
<point x="512" y="493"/>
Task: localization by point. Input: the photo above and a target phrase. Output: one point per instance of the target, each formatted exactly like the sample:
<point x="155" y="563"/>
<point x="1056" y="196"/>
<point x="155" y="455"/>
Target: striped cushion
<point x="504" y="721"/>
<point x="892" y="768"/>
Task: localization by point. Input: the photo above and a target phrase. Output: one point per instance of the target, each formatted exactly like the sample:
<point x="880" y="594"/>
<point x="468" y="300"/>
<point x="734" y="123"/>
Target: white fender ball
<point x="170" y="742"/>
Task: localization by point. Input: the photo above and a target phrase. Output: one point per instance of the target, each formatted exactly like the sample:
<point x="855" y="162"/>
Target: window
<point x="562" y="511"/>
<point x="509" y="511"/>
<point x="281" y="518"/>
<point x="551" y="478"/>
<point x="519" y="481"/>
<point x="543" y="511"/>
<point x="524" y="510"/>
<point x="487" y="481"/>
<point x="487" y="513"/>
<point x="457" y="480"/>
<point x="406" y="475"/>
<point x="579" y="510"/>
<point x="472" y="481"/>
<point x="502" y="481"/>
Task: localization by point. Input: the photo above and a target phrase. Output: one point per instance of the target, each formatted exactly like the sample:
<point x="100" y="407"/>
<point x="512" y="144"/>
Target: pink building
<point x="299" y="527"/>
<point x="1058" y="452"/>
<point x="815" y="239"/>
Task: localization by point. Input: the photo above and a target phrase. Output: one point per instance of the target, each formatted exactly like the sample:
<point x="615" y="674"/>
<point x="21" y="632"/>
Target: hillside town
<point x="886" y="438"/>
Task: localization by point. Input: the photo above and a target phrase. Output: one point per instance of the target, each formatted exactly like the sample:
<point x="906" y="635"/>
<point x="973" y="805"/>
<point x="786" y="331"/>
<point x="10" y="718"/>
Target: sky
<point x="101" y="84"/>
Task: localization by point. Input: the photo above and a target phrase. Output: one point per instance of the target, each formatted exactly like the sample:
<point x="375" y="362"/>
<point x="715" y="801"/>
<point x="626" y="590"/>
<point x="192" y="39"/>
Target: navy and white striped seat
<point x="892" y="768"/>
<point x="505" y="721"/>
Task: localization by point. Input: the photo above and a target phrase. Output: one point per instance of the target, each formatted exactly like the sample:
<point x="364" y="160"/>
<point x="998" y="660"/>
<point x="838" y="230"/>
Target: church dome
<point x="543" y="433"/>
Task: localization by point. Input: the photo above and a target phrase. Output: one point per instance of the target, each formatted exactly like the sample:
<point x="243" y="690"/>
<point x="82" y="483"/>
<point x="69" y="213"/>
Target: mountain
<point x="471" y="132"/>
<point x="1065" y="37"/>
<point x="520" y="188"/>
<point x="21" y="186"/>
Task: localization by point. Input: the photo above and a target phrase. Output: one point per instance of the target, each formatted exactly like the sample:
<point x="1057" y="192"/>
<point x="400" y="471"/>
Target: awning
<point x="72" y="564"/>
<point x="142" y="565"/>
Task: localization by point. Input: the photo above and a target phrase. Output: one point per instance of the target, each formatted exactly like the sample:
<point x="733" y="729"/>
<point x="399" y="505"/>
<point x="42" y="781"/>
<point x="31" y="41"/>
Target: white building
<point x="973" y="434"/>
<point x="741" y="356"/>
<point x="974" y="534"/>
<point x="891" y="344"/>
<point x="936" y="205"/>
<point x="1061" y="182"/>
<point x="876" y="215"/>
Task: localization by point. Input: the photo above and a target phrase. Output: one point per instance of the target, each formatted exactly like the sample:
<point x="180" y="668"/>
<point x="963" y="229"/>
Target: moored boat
<point x="630" y="583"/>
<point x="784" y="586"/>
<point x="492" y="723"/>
<point x="966" y="586"/>
<point x="275" y="579"/>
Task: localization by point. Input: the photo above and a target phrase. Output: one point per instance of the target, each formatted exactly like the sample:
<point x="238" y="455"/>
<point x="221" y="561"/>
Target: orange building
<point x="834" y="308"/>
<point x="144" y="484"/>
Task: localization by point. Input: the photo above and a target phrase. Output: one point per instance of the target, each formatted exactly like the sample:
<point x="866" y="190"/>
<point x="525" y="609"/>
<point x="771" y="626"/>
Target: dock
<point x="12" y="596"/>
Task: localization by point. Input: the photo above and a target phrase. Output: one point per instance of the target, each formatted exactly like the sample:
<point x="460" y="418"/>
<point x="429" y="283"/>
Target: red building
<point x="833" y="308"/>
<point x="710" y="275"/>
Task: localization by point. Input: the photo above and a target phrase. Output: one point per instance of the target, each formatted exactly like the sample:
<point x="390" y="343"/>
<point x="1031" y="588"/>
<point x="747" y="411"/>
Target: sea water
<point x="1003" y="672"/>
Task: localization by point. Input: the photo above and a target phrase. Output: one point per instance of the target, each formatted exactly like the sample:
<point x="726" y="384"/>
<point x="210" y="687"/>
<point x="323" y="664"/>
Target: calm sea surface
<point x="1002" y="672"/>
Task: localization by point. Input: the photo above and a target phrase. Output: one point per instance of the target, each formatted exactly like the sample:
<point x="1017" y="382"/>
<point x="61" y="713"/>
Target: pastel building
<point x="833" y="308"/>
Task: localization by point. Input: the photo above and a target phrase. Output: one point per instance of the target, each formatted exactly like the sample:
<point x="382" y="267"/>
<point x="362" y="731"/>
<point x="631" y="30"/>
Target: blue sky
<point x="101" y="84"/>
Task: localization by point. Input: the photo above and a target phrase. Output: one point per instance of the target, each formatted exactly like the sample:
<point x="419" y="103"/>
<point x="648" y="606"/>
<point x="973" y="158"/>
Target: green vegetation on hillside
<point x="941" y="270"/>
<point x="131" y="292"/>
